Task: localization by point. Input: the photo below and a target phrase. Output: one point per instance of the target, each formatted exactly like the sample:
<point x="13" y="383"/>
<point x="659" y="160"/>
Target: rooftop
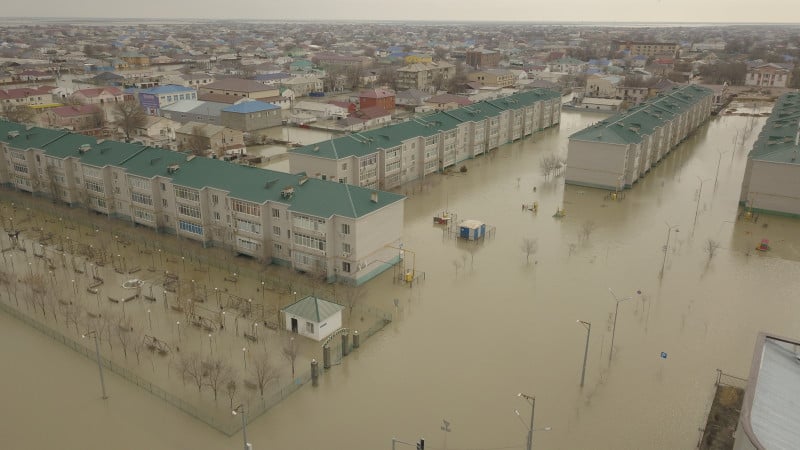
<point x="779" y="140"/>
<point x="313" y="309"/>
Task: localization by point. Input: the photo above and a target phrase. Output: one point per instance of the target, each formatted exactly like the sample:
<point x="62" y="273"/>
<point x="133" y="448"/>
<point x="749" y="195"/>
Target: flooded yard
<point x="491" y="319"/>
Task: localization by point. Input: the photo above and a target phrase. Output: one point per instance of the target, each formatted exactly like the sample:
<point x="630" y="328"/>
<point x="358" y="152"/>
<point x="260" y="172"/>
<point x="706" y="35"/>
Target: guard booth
<point x="471" y="230"/>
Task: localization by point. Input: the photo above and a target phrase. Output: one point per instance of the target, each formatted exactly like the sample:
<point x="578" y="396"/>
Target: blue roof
<point x="166" y="89"/>
<point x="249" y="107"/>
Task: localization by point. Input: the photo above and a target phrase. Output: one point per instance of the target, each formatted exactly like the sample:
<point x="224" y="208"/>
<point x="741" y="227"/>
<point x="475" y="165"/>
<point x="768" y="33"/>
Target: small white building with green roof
<point x="771" y="180"/>
<point x="313" y="317"/>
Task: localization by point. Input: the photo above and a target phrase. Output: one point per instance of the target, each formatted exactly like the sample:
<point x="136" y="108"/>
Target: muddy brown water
<point x="485" y="325"/>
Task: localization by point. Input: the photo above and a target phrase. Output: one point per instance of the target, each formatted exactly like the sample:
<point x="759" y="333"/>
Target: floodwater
<point x="485" y="324"/>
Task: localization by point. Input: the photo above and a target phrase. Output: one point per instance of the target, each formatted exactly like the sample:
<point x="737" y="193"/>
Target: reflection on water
<point x="485" y="324"/>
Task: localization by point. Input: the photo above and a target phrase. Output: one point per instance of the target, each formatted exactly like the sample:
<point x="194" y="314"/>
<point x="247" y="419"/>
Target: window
<point x="95" y="186"/>
<point x="163" y="186"/>
<point x="191" y="211"/>
<point x="91" y="172"/>
<point x="140" y="198"/>
<point x="141" y="214"/>
<point x="18" y="155"/>
<point x="214" y="198"/>
<point x="139" y="183"/>
<point x="190" y="227"/>
<point x="344" y="166"/>
<point x="246" y="244"/>
<point x="187" y="194"/>
<point x="21" y="168"/>
<point x="346" y="247"/>
<point x="246" y="208"/>
<point x="276" y="231"/>
<point x="277" y="248"/>
<point x="310" y="327"/>
<point x="345" y="266"/>
<point x="217" y="217"/>
<point x="309" y="223"/>
<point x="276" y="213"/>
<point x="310" y="242"/>
<point x="164" y="202"/>
<point x="345" y="228"/>
<point x="248" y="226"/>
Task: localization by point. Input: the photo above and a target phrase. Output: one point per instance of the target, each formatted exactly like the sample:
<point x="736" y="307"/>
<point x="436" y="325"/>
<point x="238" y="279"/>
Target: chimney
<point x="374" y="197"/>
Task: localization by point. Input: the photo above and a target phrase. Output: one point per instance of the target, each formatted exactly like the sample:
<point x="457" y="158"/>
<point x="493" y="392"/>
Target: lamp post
<point x="719" y="160"/>
<point x="532" y="400"/>
<point x="697" y="208"/>
<point x="149" y="319"/>
<point x="178" y="323"/>
<point x="666" y="245"/>
<point x="240" y="410"/>
<point x="614" y="328"/>
<point x="210" y="345"/>
<point x="99" y="365"/>
<point x="244" y="356"/>
<point x="588" y="326"/>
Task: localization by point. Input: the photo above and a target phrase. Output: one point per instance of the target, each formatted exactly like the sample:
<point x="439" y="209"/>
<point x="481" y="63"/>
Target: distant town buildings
<point x="481" y="58"/>
<point x="649" y="49"/>
<point x="614" y="153"/>
<point x="769" y="74"/>
<point x="425" y="77"/>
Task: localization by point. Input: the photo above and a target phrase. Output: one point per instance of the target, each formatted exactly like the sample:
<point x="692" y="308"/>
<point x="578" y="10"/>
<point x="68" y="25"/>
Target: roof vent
<point x="154" y="161"/>
<point x="287" y="192"/>
<point x="84" y="148"/>
<point x="172" y="168"/>
<point x="316" y="148"/>
<point x="302" y="180"/>
<point x="373" y="197"/>
<point x="190" y="157"/>
<point x="104" y="149"/>
<point x="13" y="134"/>
<point x="269" y="183"/>
<point x="100" y="141"/>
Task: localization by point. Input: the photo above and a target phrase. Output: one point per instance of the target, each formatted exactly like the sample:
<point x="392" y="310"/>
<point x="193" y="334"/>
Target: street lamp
<point x="697" y="208"/>
<point x="588" y="326"/>
<point x="719" y="160"/>
<point x="614" y="328"/>
<point x="244" y="356"/>
<point x="99" y="365"/>
<point x="210" y="345"/>
<point x="149" y="320"/>
<point x="532" y="400"/>
<point x="178" y="323"/>
<point x="240" y="410"/>
<point x="666" y="245"/>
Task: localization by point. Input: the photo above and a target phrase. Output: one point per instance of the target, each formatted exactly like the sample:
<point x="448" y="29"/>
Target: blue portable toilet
<point x="471" y="230"/>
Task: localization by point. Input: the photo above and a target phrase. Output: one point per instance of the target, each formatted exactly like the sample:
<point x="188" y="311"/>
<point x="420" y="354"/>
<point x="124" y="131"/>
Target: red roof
<point x="373" y="112"/>
<point x="449" y="98"/>
<point x="27" y="92"/>
<point x="376" y="93"/>
<point x="73" y="111"/>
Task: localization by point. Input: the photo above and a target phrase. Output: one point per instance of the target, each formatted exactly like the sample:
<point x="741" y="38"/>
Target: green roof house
<point x="313" y="317"/>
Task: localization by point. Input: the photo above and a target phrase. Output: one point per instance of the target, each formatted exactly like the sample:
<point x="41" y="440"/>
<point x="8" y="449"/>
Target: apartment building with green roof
<point x="616" y="152"/>
<point x="345" y="232"/>
<point x="388" y="157"/>
<point x="771" y="180"/>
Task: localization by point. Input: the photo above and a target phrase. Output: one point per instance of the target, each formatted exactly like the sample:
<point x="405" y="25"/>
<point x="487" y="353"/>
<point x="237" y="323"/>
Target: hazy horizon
<point x="509" y="11"/>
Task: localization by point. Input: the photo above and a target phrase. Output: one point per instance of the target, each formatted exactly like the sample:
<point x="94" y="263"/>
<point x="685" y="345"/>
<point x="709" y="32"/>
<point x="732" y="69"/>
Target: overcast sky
<point x="781" y="11"/>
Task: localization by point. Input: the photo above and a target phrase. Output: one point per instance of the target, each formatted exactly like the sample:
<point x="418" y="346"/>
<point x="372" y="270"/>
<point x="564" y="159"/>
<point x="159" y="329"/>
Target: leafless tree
<point x="290" y="351"/>
<point x="37" y="291"/>
<point x="548" y="164"/>
<point x="711" y="248"/>
<point x="230" y="390"/>
<point x="129" y="116"/>
<point x="217" y="374"/>
<point x="123" y="330"/>
<point x="197" y="143"/>
<point x="529" y="246"/>
<point x="190" y="366"/>
<point x="263" y="371"/>
<point x="352" y="297"/>
<point x="19" y="113"/>
<point x="586" y="230"/>
<point x="137" y="342"/>
<point x="457" y="265"/>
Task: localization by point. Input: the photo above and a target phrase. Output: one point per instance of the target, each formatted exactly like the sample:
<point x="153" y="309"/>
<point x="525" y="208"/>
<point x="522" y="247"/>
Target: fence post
<point x="314" y="372"/>
<point x="326" y="357"/>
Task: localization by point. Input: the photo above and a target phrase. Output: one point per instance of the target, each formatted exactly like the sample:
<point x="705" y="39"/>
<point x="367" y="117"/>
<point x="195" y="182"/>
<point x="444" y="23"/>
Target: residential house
<point x="99" y="96"/>
<point x="203" y="138"/>
<point x="320" y="110"/>
<point x="196" y="79"/>
<point x="313" y="317"/>
<point x="769" y="74"/>
<point x="648" y="49"/>
<point x="346" y="232"/>
<point x="493" y="77"/>
<point x="35" y="76"/>
<point x="251" y="116"/>
<point x="425" y="77"/>
<point x="482" y="58"/>
<point x="567" y="65"/>
<point x="632" y="95"/>
<point x="156" y="131"/>
<point x="33" y="97"/>
<point x="770" y="183"/>
<point x="135" y="59"/>
<point x="365" y="118"/>
<point x="74" y="117"/>
<point x="237" y="87"/>
<point x="303" y="85"/>
<point x="444" y="102"/>
<point x="153" y="99"/>
<point x="411" y="98"/>
<point x="603" y="86"/>
<point x="381" y="98"/>
<point x="194" y="111"/>
<point x="616" y="152"/>
<point x="272" y="79"/>
<point x="301" y="65"/>
<point x="334" y="59"/>
<point x="368" y="77"/>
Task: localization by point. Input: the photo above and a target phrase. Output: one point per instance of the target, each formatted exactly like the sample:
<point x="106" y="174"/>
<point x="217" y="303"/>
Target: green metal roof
<point x="309" y="196"/>
<point x="313" y="309"/>
<point x="633" y="125"/>
<point x="368" y="142"/>
<point x="778" y="140"/>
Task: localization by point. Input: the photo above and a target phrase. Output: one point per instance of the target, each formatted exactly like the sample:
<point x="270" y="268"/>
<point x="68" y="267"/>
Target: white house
<point x="313" y="317"/>
<point x="321" y="110"/>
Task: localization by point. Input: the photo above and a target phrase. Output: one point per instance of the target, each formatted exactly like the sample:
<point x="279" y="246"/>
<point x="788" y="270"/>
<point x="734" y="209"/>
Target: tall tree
<point x="129" y="116"/>
<point x="19" y="113"/>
